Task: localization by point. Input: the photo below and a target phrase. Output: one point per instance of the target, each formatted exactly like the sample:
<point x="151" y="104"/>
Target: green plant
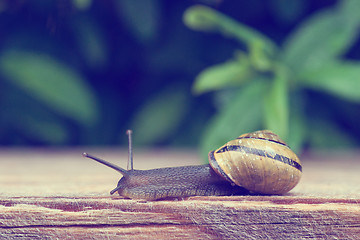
<point x="61" y="90"/>
<point x="265" y="87"/>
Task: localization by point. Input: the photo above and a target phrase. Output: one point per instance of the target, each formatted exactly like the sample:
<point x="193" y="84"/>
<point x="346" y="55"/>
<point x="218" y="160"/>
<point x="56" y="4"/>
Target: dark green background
<point x="116" y="65"/>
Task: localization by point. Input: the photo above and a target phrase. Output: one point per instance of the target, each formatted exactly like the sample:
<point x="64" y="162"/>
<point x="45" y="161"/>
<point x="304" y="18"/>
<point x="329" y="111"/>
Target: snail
<point x="258" y="162"/>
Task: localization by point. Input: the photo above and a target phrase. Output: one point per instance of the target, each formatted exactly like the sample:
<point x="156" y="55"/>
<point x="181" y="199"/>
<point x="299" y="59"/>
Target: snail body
<point x="174" y="182"/>
<point x="259" y="162"/>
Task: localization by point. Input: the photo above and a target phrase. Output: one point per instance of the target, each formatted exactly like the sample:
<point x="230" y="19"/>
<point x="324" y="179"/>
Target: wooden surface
<point x="48" y="194"/>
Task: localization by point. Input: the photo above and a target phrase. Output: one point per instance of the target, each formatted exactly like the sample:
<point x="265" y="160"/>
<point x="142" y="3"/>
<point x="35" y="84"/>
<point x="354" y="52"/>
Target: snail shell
<point x="259" y="161"/>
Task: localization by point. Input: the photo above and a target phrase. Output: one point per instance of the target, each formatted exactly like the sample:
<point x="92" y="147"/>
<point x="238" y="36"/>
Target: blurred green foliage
<point x="52" y="83"/>
<point x="267" y="84"/>
<point x="81" y="72"/>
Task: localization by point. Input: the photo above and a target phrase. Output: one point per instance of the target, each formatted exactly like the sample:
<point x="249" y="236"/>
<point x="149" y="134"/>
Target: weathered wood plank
<point x="197" y="217"/>
<point x="67" y="198"/>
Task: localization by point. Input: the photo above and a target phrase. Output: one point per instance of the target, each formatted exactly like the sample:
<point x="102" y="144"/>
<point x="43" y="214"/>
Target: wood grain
<point x="48" y="194"/>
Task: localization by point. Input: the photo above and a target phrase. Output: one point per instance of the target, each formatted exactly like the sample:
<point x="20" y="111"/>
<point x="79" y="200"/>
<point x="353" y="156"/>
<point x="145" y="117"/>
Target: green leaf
<point x="29" y="121"/>
<point x="287" y="13"/>
<point x="323" y="37"/>
<point x="338" y="78"/>
<point x="53" y="83"/>
<point x="230" y="73"/>
<point x="242" y="115"/>
<point x="259" y="60"/>
<point x="206" y="19"/>
<point x="160" y="116"/>
<point x="350" y="10"/>
<point x="82" y="4"/>
<point x="90" y="42"/>
<point x="141" y="16"/>
<point x="276" y="109"/>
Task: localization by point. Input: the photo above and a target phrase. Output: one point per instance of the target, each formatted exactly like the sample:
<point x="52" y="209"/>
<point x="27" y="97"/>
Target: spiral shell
<point x="260" y="162"/>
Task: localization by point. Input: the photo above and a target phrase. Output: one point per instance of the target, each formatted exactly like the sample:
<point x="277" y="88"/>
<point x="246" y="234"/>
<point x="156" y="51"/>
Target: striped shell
<point x="260" y="162"/>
